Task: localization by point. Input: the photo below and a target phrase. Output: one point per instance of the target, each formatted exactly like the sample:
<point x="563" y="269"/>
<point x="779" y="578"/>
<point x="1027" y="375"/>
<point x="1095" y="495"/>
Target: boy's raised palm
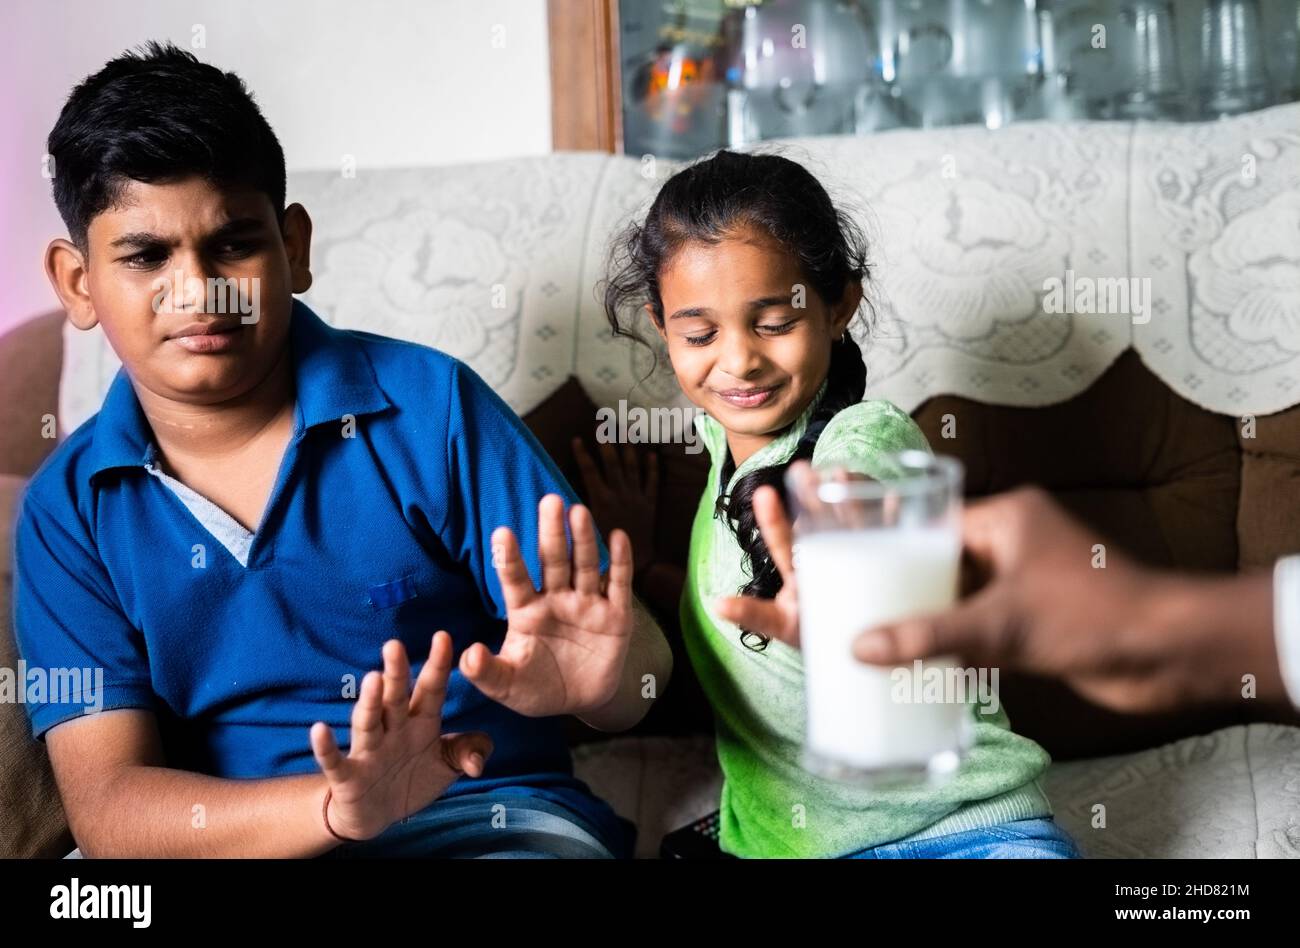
<point x="399" y="760"/>
<point x="566" y="644"/>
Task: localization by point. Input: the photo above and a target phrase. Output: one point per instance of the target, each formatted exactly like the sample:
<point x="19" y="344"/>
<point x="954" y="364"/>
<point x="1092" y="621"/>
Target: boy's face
<point x="741" y="346"/>
<point x="192" y="284"/>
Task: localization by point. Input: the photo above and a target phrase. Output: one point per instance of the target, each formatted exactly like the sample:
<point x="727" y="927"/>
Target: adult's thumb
<point x="971" y="630"/>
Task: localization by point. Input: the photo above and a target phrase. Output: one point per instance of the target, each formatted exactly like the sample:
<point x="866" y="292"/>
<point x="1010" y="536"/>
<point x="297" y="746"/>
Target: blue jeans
<point x="485" y="826"/>
<point x="1020" y="839"/>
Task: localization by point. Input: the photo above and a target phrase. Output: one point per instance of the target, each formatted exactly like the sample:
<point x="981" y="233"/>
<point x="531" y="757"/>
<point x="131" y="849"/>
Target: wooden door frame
<point x="586" y="99"/>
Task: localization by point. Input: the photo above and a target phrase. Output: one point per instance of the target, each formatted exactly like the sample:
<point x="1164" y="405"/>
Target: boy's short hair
<point x="158" y="114"/>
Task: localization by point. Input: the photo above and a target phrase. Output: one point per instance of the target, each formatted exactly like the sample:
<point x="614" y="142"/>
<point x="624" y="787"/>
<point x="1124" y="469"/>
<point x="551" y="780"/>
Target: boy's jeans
<point x="484" y="826"/>
<point x="1020" y="839"/>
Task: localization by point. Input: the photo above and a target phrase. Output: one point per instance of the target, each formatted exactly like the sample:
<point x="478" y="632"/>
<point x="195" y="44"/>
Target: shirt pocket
<point x="392" y="593"/>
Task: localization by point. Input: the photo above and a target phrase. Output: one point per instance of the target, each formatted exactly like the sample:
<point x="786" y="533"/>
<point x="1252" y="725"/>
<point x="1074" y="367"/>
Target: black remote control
<point x="699" y="840"/>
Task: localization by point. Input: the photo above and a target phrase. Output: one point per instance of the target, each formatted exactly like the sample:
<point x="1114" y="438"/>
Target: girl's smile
<point x="748" y="397"/>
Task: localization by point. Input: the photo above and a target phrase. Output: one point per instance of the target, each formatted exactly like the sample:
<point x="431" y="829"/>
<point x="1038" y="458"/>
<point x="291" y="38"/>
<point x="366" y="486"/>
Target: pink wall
<point x="34" y="91"/>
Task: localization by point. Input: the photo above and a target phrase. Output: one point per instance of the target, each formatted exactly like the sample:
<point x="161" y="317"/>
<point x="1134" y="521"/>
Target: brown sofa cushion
<point x="1268" y="513"/>
<point x="31" y="817"/>
<point x="1155" y="473"/>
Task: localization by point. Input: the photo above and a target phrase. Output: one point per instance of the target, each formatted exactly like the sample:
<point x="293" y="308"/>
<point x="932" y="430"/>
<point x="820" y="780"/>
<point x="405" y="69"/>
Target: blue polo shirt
<point x="401" y="464"/>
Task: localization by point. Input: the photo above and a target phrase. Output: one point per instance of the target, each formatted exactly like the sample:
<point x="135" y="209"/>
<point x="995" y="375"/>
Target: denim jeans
<point x="486" y="826"/>
<point x="1020" y="839"/>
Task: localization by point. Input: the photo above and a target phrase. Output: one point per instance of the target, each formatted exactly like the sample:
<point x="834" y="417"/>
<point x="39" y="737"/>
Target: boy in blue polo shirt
<point x="264" y="506"/>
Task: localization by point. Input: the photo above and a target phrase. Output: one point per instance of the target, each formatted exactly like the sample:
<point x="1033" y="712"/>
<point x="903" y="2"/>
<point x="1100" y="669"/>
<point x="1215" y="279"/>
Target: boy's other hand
<point x="399" y="761"/>
<point x="566" y="644"/>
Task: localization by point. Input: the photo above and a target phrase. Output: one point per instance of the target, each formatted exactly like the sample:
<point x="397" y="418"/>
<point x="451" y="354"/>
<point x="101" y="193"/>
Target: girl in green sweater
<point x="752" y="278"/>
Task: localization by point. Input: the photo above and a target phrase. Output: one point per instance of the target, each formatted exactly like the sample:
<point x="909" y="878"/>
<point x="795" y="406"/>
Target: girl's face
<point x="749" y="339"/>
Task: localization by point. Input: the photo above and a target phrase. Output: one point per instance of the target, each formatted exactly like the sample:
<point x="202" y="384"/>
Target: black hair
<point x="158" y="114"/>
<point x="709" y="201"/>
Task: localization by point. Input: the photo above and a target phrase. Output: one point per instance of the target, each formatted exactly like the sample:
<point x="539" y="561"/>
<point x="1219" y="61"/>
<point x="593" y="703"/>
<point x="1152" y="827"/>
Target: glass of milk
<point x="870" y="551"/>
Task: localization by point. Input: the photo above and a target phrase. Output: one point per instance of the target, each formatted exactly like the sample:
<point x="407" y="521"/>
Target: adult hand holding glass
<point x="1125" y="636"/>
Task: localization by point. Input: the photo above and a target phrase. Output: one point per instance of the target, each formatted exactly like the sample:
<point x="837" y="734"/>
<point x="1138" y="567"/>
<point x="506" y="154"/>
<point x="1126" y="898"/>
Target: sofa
<point x="1170" y="424"/>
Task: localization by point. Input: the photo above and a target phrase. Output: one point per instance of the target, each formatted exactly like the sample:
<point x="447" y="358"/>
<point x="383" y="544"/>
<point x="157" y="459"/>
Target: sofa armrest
<point x="31" y="360"/>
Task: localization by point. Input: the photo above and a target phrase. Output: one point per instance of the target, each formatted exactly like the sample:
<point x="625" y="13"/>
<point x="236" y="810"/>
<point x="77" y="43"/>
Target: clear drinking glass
<point x="1234" y="77"/>
<point x="1149" y="56"/>
<point x="867" y="552"/>
<point x="1282" y="26"/>
<point x="795" y="67"/>
<point x="958" y="62"/>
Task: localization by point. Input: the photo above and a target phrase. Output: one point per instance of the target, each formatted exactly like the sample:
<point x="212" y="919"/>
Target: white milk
<point x="850" y="580"/>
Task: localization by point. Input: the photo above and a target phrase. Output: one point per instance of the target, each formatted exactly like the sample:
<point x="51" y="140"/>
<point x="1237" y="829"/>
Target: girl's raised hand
<point x="566" y="644"/>
<point x="776" y="618"/>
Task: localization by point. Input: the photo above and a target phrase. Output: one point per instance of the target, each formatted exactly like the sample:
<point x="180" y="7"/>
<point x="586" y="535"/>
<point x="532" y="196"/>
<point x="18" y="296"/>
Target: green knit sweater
<point x="771" y="806"/>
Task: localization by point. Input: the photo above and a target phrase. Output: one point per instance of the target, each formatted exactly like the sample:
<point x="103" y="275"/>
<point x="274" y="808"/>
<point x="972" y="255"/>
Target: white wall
<point x="392" y="82"/>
